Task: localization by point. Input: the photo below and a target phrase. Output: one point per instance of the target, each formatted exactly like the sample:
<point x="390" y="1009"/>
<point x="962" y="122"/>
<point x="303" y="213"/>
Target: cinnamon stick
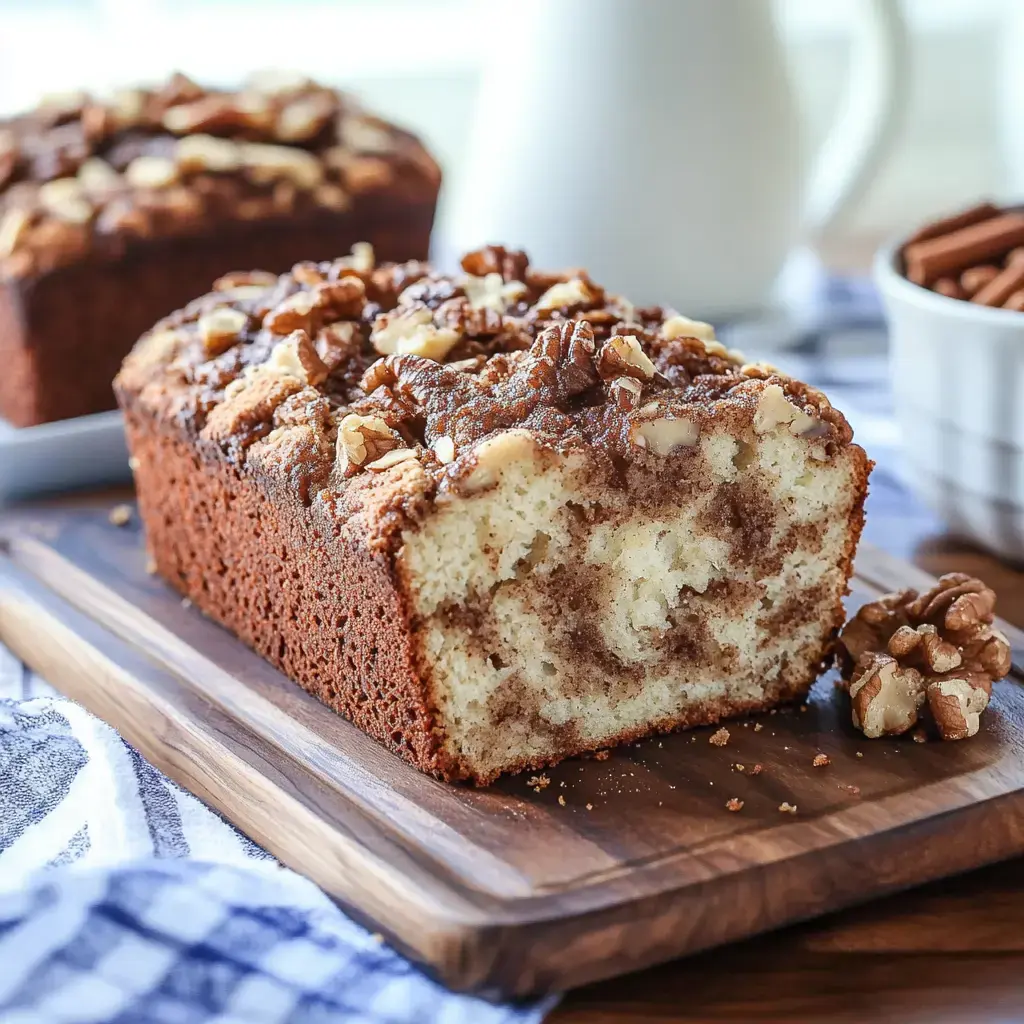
<point x="950" y="287"/>
<point x="1015" y="301"/>
<point x="973" y="279"/>
<point x="955" y="252"/>
<point x="976" y="214"/>
<point x="1000" y="288"/>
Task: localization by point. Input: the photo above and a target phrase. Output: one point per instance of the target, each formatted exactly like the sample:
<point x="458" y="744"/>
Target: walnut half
<point x="938" y="651"/>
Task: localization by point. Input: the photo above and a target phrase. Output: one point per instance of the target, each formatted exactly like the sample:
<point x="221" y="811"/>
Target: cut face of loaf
<point x="495" y="519"/>
<point x="555" y="613"/>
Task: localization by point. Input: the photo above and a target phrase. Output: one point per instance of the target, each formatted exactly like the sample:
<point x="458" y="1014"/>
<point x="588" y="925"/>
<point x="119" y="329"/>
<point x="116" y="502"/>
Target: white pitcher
<point x="657" y="142"/>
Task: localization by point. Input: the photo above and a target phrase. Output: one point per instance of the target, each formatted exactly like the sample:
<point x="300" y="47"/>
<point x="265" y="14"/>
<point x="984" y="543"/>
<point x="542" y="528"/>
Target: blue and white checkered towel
<point x="123" y="898"/>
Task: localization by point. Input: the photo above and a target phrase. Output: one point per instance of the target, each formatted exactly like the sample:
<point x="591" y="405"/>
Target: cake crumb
<point x="859" y="754"/>
<point x="734" y="804"/>
<point x="739" y="767"/>
<point x="538" y="782"/>
<point x="186" y="602"/>
<point x="758" y="727"/>
<point x="920" y="736"/>
<point x="602" y="755"/>
<point x="590" y="807"/>
<point x="561" y="800"/>
<point x="720" y="738"/>
<point x="803" y="707"/>
<point x="855" y="790"/>
<point x="151" y="566"/>
<point x="821" y="760"/>
<point x="133" y="463"/>
<point x="757" y="769"/>
<point x="120" y="515"/>
<point x="378" y="938"/>
<point x="787" y="808"/>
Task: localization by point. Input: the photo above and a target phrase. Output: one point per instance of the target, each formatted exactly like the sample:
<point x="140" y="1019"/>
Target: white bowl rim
<point x="892" y="282"/>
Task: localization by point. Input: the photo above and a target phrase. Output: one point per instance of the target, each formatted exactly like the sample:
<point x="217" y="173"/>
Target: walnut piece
<point x="565" y="294"/>
<point x="296" y="356"/>
<point x="492" y="292"/>
<point x="940" y="646"/>
<point x="220" y="329"/>
<point x="412" y="333"/>
<point x="663" y="436"/>
<point x="151" y="172"/>
<point x="683" y="327"/>
<point x="363" y="440"/>
<point x="886" y="698"/>
<point x="775" y="410"/>
<point x="622" y="356"/>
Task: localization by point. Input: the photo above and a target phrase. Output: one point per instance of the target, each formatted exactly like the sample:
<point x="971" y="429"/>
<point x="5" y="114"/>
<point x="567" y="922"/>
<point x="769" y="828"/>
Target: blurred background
<point x="420" y="62"/>
<point x="672" y="147"/>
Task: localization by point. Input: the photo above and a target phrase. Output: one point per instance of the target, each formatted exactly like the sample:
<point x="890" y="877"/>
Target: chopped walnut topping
<point x="366" y="135"/>
<point x="305" y="117"/>
<point x="97" y="176"/>
<point x="363" y="439"/>
<point x="151" y="172"/>
<point x="413" y="333"/>
<point x="940" y="647"/>
<point x="198" y="153"/>
<point x="292" y="314"/>
<point x="266" y="163"/>
<point x="220" y="328"/>
<point x="623" y="356"/>
<point x="626" y="392"/>
<point x="153" y="162"/>
<point x="296" y="356"/>
<point x="65" y="199"/>
<point x="362" y="258"/>
<point x="683" y="327"/>
<point x="565" y="295"/>
<point x="333" y="197"/>
<point x="492" y="292"/>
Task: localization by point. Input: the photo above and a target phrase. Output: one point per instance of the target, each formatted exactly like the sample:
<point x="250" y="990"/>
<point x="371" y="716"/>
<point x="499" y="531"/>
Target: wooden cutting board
<point x="612" y="866"/>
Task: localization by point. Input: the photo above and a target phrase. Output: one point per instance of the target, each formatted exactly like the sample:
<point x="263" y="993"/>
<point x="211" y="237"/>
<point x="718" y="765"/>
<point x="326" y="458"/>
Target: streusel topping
<point x="82" y="174"/>
<point x="348" y="365"/>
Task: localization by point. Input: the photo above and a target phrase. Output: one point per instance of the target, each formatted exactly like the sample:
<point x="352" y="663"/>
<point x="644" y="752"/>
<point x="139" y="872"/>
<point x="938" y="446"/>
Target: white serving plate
<point x="88" y="451"/>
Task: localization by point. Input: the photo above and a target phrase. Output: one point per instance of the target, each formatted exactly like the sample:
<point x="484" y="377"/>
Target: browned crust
<point x="64" y="333"/>
<point x="315" y="603"/>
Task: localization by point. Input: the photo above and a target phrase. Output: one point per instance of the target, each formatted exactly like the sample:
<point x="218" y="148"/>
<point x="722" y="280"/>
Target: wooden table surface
<point x="951" y="953"/>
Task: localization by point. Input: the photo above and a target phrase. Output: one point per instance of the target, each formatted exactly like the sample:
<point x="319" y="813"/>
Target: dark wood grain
<point x="507" y="890"/>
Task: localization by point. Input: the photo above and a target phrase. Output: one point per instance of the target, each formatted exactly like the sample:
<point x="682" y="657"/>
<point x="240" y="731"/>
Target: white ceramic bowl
<point x="957" y="374"/>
